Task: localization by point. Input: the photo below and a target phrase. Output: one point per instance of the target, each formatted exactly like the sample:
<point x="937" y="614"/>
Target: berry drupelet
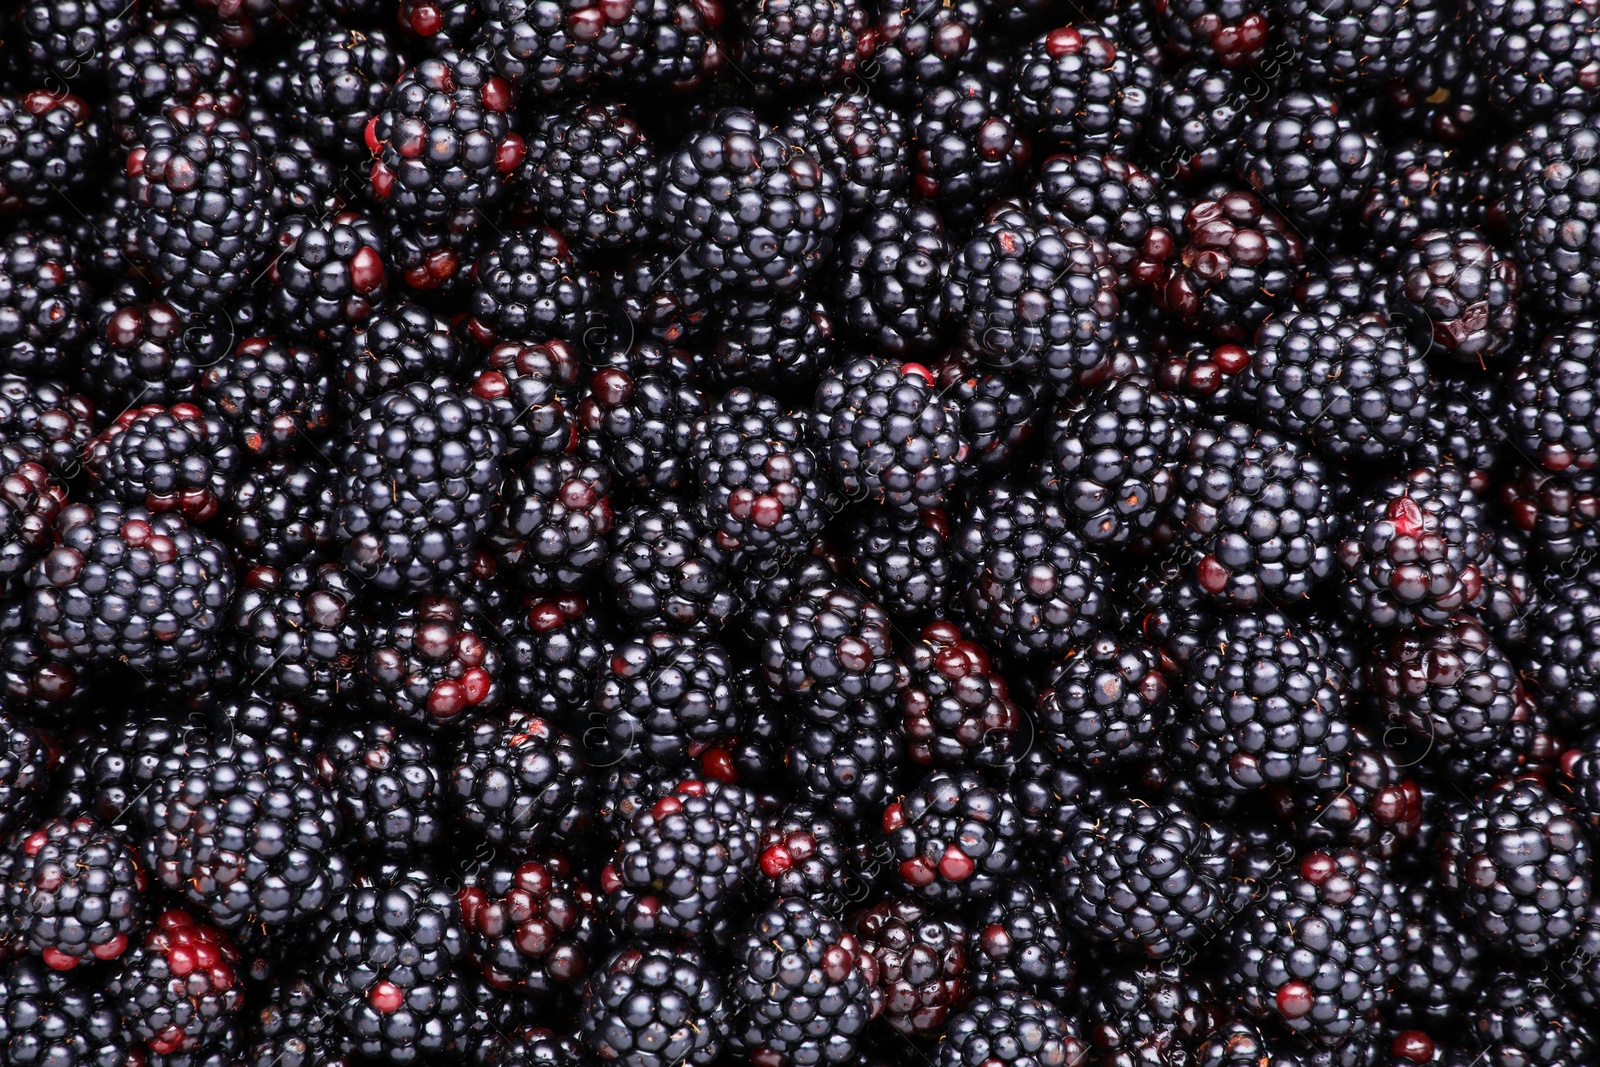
<point x="519" y="782"/>
<point x="954" y="838"/>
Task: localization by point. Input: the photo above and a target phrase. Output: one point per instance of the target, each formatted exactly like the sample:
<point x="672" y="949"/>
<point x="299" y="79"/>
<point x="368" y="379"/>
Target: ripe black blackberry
<point x="556" y="524"/>
<point x="888" y="433"/>
<point x="805" y="855"/>
<point x="305" y="181"/>
<point x="780" y="340"/>
<point x="1361" y="44"/>
<point x="1376" y="807"/>
<point x="666" y="698"/>
<point x="72" y="40"/>
<point x="665" y="297"/>
<point x="591" y="173"/>
<point x="44" y="303"/>
<point x="1445" y="95"/>
<point x="1081" y="84"/>
<point x="1011" y="1029"/>
<point x="1307" y="157"/>
<point x="903" y="561"/>
<point x="293" y="1024"/>
<point x="753" y="209"/>
<point x="141" y="349"/>
<point x="1466" y="292"/>
<point x="640" y="417"/>
<point x="862" y="142"/>
<point x="970" y="148"/>
<point x="1237" y="265"/>
<point x="52" y="149"/>
<point x="432" y="662"/>
<point x="997" y="410"/>
<point x="337" y="82"/>
<point x="1553" y="401"/>
<point x="1536" y="57"/>
<point x="1423" y="186"/>
<point x="1525" y="1019"/>
<point x="761" y="490"/>
<point x="1032" y="298"/>
<point x="1144" y="878"/>
<point x="274" y="395"/>
<point x="1197" y="120"/>
<point x="922" y="957"/>
<point x="201" y="197"/>
<point x="553" y="647"/>
<point x="166" y="459"/>
<point x="529" y="925"/>
<point x="954" y="838"/>
<point x="327" y="276"/>
<point x="1415" y="550"/>
<point x="519" y="781"/>
<point x="845" y="769"/>
<point x="1230" y="34"/>
<point x="1034" y="586"/>
<point x="922" y="44"/>
<point x="665" y="573"/>
<point x="1318" y="949"/>
<point x="386" y="784"/>
<point x="799" y="46"/>
<point x="31" y="499"/>
<point x="1114" y="202"/>
<point x="803" y="987"/>
<point x="1443" y="961"/>
<point x="1560" y="662"/>
<point x="523" y="1046"/>
<point x="1463" y="430"/>
<point x="653" y="1005"/>
<point x="47" y="1017"/>
<point x="123" y="584"/>
<point x="74" y="892"/>
<point x="1559" y="515"/>
<point x="530" y="288"/>
<point x="463" y="113"/>
<point x="418" y="473"/>
<point x="301" y="634"/>
<point x="530" y="390"/>
<point x="172" y="62"/>
<point x="682" y="863"/>
<point x="1020" y="943"/>
<point x="1550" y="202"/>
<point x="891" y="275"/>
<point x="956" y="709"/>
<point x="180" y="989"/>
<point x="1107" y="704"/>
<point x="1519" y="861"/>
<point x="282" y="513"/>
<point x="830" y="652"/>
<point x="391" y="943"/>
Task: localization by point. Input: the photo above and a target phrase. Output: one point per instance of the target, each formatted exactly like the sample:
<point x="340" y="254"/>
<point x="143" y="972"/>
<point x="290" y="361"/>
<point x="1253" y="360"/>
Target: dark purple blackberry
<point x="31" y="499"/>
<point x="305" y="181"/>
<point x="180" y="990"/>
<point x="47" y="1017"/>
<point x="779" y="340"/>
<point x="557" y="522"/>
<point x="767" y="585"/>
<point x="664" y="573"/>
<point x="1376" y="807"/>
<point x="1011" y="1029"/>
<point x="1032" y="583"/>
<point x="530" y="288"/>
<point x="923" y="44"/>
<point x="1415" y="550"/>
<point x="1268" y="706"/>
<point x="997" y="409"/>
<point x="1308" y="158"/>
<point x="1230" y="34"/>
<point x="529" y="926"/>
<point x="433" y="258"/>
<point x="761" y="490"/>
<point x="73" y="40"/>
<point x="665" y="297"/>
<point x="654" y="1005"/>
<point x="1319" y="948"/>
<point x="847" y="770"/>
<point x="1522" y="1019"/>
<point x="862" y="142"/>
<point x="456" y="107"/>
<point x="1423" y="186"/>
<point x="274" y="395"/>
<point x="1032" y="299"/>
<point x="520" y="781"/>
<point x="386" y="785"/>
<point x="1559" y="515"/>
<point x="798" y="46"/>
<point x="524" y="1046"/>
<point x="144" y="350"/>
<point x="1107" y="704"/>
<point x="301" y="633"/>
<point x="954" y="838"/>
<point x="1445" y="95"/>
<point x="682" y="863"/>
<point x="171" y="62"/>
<point x="1238" y="264"/>
<point x="200" y="190"/>
<point x="1113" y="201"/>
<point x="1082" y="85"/>
<point x="1465" y="291"/>
<point x="530" y="391"/>
<point x="337" y="83"/>
<point x="803" y="987"/>
<point x="888" y="434"/>
<point x="1443" y="960"/>
<point x="125" y="585"/>
<point x="956" y="710"/>
<point x="831" y="654"/>
<point x="44" y="303"/>
<point x="553" y="647"/>
<point x="904" y="562"/>
<point x="327" y="276"/>
<point x="1554" y="401"/>
<point x="1020" y="943"/>
<point x="418" y="473"/>
<point x="390" y="946"/>
<point x="1361" y="44"/>
<point x="1197" y="122"/>
<point x="969" y="147"/>
<point x="666" y="698"/>
<point x="166" y="459"/>
<point x="75" y="893"/>
<point x="1519" y="862"/>
<point x="431" y="662"/>
<point x="50" y="149"/>
<point x="399" y="344"/>
<point x="1551" y="199"/>
<point x="1463" y="430"/>
<point x="641" y="416"/>
<point x="591" y="173"/>
<point x="1537" y="57"/>
<point x="544" y="45"/>
<point x="923" y="968"/>
<point x="804" y="854"/>
<point x="891" y="275"/>
<point x="281" y="513"/>
<point x="294" y="1025"/>
<point x="1562" y="663"/>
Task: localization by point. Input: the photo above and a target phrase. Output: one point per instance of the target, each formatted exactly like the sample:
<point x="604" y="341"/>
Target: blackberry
<point x="831" y="653"/>
<point x="803" y="987"/>
<point x="170" y="62"/>
<point x="327" y="276"/>
<point x="1521" y="1019"/>
<point x="922" y="957"/>
<point x="957" y="709"/>
<point x="1362" y="44"/>
<point x="641" y="416"/>
<point x="924" y="44"/>
<point x="800" y="45"/>
<point x="1550" y="201"/>
<point x="664" y="573"/>
<point x="1306" y="156"/>
<point x="50" y="149"/>
<point x="275" y="396"/>
<point x="1197" y="122"/>
<point x="520" y="781"/>
<point x="1230" y="34"/>
<point x="1564" y="655"/>
<point x="1559" y="515"/>
<point x="530" y="288"/>
<point x="1012" y="1029"/>
<point x="433" y="257"/>
<point x="430" y="662"/>
<point x="862" y="142"/>
<point x="1107" y="704"/>
<point x="761" y="490"/>
<point x="1554" y="401"/>
<point x="1344" y="285"/>
<point x="1466" y="290"/>
<point x="804" y="854"/>
<point x="529" y="390"/>
<point x="591" y="172"/>
<point x="954" y="838"/>
<point x="1021" y="943"/>
<point x="1421" y="187"/>
<point x="125" y="585"/>
<point x="557" y="519"/>
<point x="337" y="83"/>
<point x="305" y="182"/>
<point x="969" y="147"/>
<point x="666" y="698"/>
<point x="904" y="561"/>
<point x="141" y="349"/>
<point x="553" y="647"/>
<point x="1034" y="586"/>
<point x="1415" y="551"/>
<point x="1463" y="430"/>
<point x="1446" y="94"/>
<point x="418" y="471"/>
<point x="544" y="45"/>
<point x="31" y="499"/>
<point x="846" y="769"/>
<point x="301" y="634"/>
<point x="391" y="944"/>
<point x="1377" y="807"/>
<point x="1236" y="266"/>
<point x="1080" y="84"/>
<point x="177" y="458"/>
<point x="751" y="208"/>
<point x="1030" y="298"/>
<point x="1318" y="950"/>
<point x="294" y="1025"/>
<point x="529" y="926"/>
<point x="679" y="868"/>
<point x="1152" y="1013"/>
<point x="664" y="297"/>
<point x="888" y="434"/>
<point x="1519" y="862"/>
<point x="47" y="1017"/>
<point x="997" y="409"/>
<point x="75" y="892"/>
<point x="200" y="190"/>
<point x="44" y="303"/>
<point x="73" y="40"/>
<point x="282" y="513"/>
<point x="180" y="990"/>
<point x="891" y="277"/>
<point x="529" y="1046"/>
<point x="783" y="339"/>
<point x="386" y="785"/>
<point x="1536" y="57"/>
<point x="1113" y="201"/>
<point x="1443" y="961"/>
<point x="653" y="1005"/>
<point x="463" y="111"/>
